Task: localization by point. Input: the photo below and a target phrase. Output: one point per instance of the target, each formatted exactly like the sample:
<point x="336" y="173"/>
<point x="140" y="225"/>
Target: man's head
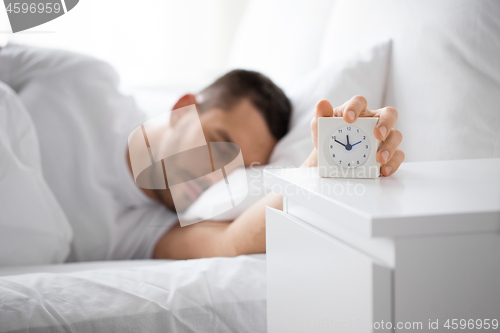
<point x="242" y="107"/>
<point x="246" y="108"/>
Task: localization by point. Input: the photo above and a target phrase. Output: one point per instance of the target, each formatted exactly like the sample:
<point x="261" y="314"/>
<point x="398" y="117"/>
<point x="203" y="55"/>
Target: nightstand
<point x="419" y="248"/>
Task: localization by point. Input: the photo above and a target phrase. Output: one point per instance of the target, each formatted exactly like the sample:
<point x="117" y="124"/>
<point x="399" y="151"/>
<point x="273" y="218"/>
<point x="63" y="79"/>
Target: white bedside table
<point x="418" y="247"/>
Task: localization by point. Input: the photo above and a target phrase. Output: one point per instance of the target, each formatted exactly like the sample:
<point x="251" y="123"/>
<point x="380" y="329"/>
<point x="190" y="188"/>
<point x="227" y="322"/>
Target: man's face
<point x="243" y="125"/>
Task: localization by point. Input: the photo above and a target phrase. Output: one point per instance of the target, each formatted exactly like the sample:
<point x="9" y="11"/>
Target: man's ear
<point x="188" y="99"/>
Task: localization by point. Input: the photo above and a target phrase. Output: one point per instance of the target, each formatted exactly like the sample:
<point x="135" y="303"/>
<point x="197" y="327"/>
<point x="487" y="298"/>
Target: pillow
<point x="361" y="73"/>
<point x="445" y="70"/>
<point x="34" y="228"/>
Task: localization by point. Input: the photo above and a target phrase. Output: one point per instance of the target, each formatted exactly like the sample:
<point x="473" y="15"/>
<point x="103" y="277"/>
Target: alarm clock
<point x="347" y="150"/>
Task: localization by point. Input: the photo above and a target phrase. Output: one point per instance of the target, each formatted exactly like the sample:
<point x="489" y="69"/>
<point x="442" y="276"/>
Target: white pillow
<point x="445" y="70"/>
<point x="34" y="228"/>
<point x="361" y="73"/>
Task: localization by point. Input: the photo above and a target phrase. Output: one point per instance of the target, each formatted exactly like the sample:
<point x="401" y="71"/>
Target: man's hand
<point x="388" y="154"/>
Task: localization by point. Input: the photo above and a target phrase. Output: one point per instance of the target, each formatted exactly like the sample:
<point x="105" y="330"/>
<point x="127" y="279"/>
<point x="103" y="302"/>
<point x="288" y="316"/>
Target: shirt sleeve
<point x="138" y="230"/>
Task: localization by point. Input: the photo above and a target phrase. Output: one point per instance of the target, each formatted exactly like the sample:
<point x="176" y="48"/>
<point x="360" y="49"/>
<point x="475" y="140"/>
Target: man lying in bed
<point x="83" y="122"/>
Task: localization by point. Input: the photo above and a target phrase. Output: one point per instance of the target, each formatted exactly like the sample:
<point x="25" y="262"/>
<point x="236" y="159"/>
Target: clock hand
<point x="339" y="142"/>
<point x="355" y="143"/>
<point x="348" y="145"/>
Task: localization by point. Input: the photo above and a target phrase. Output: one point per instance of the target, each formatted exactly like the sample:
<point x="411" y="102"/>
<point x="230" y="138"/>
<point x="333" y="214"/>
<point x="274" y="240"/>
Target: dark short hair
<point x="267" y="97"/>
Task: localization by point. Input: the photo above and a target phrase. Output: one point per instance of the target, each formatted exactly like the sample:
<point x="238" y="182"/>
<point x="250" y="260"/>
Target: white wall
<point x="150" y="42"/>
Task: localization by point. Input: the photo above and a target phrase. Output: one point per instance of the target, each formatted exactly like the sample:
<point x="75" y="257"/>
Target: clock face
<point x="349" y="146"/>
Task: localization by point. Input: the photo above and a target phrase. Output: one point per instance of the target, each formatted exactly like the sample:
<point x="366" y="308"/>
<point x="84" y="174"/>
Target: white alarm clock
<point x="347" y="150"/>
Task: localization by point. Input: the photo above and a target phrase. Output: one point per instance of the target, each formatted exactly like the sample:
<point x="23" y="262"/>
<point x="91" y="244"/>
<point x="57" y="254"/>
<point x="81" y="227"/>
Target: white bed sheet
<point x="203" y="295"/>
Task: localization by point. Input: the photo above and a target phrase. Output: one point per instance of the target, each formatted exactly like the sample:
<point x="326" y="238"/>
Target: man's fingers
<point x="389" y="146"/>
<point x="389" y="155"/>
<point x="353" y="108"/>
<point x="387" y="119"/>
<point x="393" y="165"/>
<point x="323" y="109"/>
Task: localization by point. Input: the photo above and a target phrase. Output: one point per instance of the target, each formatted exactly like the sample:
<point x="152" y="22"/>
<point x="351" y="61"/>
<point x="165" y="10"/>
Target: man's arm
<point x="247" y="233"/>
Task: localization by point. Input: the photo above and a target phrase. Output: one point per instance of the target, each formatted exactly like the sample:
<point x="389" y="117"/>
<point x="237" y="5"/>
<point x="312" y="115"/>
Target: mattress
<point x="201" y="295"/>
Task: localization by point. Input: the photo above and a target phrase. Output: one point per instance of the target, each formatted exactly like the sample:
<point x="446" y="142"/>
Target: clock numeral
<point x="357" y="131"/>
<point x="364" y="155"/>
<point x="340" y="162"/>
<point x="340" y="131"/>
<point x="348" y="128"/>
<point x="366" y="146"/>
<point x="331" y="146"/>
<point x="333" y="155"/>
<point x="364" y="137"/>
<point x="334" y="137"/>
<point x="358" y="162"/>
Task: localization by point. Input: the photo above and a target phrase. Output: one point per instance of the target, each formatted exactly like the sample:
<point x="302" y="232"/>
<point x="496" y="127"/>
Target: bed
<point x="203" y="295"/>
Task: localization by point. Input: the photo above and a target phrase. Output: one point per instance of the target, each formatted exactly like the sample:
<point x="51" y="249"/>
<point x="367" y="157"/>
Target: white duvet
<point x="203" y="295"/>
<point x="33" y="227"/>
